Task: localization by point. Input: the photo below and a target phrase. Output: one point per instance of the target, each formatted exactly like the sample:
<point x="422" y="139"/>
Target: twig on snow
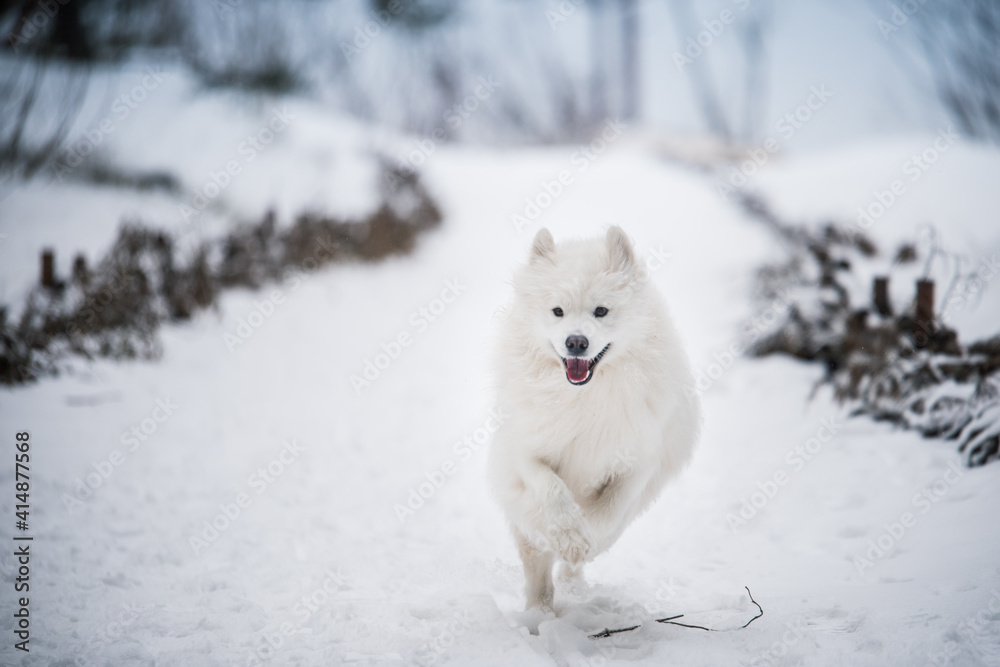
<point x="760" y="609"/>
<point x="607" y="633"/>
<point x="672" y="620"/>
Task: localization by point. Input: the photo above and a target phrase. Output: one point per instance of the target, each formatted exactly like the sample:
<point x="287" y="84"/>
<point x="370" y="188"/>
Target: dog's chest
<point x="613" y="427"/>
<point x="593" y="449"/>
<point x="586" y="470"/>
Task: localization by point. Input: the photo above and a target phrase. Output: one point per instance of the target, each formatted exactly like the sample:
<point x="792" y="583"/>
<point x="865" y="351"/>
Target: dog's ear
<point x="543" y="246"/>
<point x="619" y="250"/>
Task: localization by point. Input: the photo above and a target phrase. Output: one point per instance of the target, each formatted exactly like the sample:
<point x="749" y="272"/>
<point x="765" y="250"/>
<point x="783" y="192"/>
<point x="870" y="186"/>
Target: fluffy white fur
<point x="573" y="465"/>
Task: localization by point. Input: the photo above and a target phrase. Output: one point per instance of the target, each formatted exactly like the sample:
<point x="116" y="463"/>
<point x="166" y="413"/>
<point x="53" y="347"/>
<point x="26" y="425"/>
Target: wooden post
<point x="80" y="274"/>
<point x="857" y="322"/>
<point x="880" y="296"/>
<point x="923" y="324"/>
<point x="48" y="268"/>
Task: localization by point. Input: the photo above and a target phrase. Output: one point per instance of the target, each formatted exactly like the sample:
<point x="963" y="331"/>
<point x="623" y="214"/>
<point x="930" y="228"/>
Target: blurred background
<point x="252" y="255"/>
<point x="719" y="70"/>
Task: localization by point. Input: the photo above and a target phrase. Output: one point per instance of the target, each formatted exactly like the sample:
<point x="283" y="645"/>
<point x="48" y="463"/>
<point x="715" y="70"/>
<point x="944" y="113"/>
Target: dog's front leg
<point x="559" y="526"/>
<point x="613" y="506"/>
<point x="538" y="587"/>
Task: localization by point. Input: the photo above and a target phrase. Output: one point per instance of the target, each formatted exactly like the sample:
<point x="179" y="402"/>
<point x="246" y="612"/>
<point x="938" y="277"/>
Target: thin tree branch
<point x="607" y="633"/>
<point x="760" y="609"/>
<point x="672" y="620"/>
<point x="684" y="625"/>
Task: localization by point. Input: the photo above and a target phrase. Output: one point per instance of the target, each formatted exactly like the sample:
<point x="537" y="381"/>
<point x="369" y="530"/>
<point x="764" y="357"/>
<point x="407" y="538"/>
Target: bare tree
<point x="41" y="100"/>
<point x="960" y="41"/>
<point x="629" y="13"/>
<point x="752" y="33"/>
<point x="745" y="117"/>
<point x="598" y="87"/>
<point x="700" y="76"/>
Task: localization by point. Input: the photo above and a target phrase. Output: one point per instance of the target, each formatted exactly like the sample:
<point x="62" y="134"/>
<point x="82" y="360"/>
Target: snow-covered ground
<point x="249" y="502"/>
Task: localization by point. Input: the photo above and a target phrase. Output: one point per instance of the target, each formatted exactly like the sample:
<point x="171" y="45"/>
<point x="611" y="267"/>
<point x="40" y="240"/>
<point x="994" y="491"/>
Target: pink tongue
<point x="577" y="369"/>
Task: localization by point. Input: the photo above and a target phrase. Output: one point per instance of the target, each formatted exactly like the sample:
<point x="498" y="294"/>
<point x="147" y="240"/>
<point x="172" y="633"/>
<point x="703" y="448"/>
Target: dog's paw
<point x="573" y="543"/>
<point x="570" y="573"/>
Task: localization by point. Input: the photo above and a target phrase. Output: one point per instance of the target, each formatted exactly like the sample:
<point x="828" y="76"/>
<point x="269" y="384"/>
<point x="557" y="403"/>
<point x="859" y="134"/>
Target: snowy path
<point x="317" y="568"/>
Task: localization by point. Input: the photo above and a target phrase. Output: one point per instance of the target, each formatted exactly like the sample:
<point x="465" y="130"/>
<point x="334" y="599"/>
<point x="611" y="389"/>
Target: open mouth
<point x="579" y="370"/>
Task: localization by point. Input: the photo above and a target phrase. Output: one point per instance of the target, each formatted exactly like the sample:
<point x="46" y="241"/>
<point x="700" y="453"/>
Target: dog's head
<point x="584" y="301"/>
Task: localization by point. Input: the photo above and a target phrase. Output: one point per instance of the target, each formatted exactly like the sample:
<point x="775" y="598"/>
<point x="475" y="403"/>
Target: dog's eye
<point x="558" y="312"/>
<point x="600" y="311"/>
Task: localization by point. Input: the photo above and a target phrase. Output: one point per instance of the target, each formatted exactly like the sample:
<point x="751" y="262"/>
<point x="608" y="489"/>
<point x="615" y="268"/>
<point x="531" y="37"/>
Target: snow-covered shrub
<point x="115" y="310"/>
<point x="886" y="365"/>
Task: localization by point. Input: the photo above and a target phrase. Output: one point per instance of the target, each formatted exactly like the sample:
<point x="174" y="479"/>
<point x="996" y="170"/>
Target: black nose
<point x="577" y="345"/>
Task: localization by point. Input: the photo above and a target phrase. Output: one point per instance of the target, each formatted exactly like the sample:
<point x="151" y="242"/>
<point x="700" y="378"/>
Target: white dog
<point x="597" y="388"/>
